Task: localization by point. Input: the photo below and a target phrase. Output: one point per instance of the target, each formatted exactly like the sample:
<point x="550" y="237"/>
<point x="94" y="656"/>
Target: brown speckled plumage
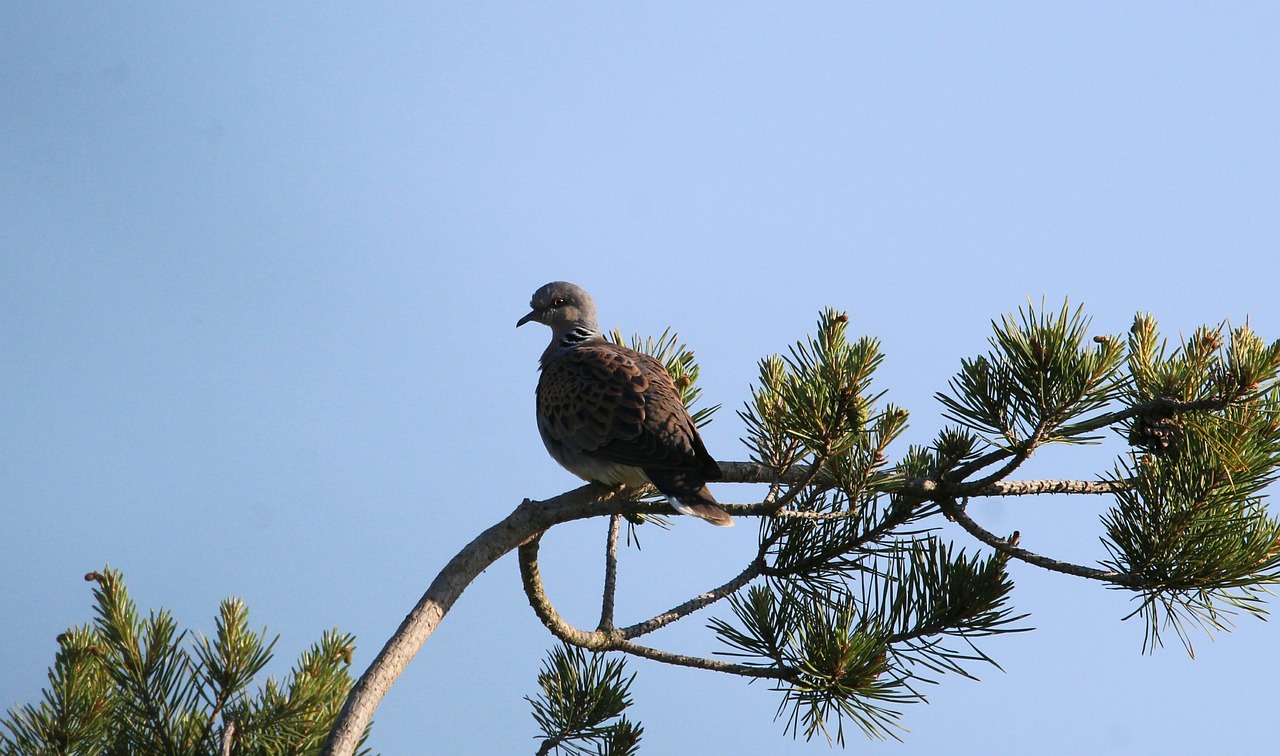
<point x="613" y="415"/>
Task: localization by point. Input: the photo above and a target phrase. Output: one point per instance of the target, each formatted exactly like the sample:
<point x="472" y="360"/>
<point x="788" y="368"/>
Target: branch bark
<point x="610" y="574"/>
<point x="228" y="736"/>
<point x="526" y="521"/>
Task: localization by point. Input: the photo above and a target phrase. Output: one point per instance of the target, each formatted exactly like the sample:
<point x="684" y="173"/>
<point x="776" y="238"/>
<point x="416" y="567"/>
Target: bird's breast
<point x="592" y="468"/>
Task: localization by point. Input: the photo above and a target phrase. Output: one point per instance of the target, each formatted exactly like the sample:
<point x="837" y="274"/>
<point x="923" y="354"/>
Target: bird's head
<point x="563" y="307"/>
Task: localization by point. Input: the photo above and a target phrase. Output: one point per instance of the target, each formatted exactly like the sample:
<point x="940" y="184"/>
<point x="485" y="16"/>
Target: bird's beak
<point x="531" y="316"/>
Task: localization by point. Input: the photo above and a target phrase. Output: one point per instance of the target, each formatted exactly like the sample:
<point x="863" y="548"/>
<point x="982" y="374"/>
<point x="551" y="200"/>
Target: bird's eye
<point x="557" y="302"/>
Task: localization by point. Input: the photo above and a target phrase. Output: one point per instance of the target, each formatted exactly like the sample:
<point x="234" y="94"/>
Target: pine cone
<point x="1156" y="430"/>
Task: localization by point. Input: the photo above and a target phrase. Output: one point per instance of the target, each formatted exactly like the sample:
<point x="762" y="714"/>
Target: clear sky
<point x="260" y="267"/>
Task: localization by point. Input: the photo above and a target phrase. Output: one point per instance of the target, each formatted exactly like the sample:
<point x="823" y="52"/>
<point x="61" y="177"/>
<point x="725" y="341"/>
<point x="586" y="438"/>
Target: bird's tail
<point x="712" y="513"/>
<point x="690" y="497"/>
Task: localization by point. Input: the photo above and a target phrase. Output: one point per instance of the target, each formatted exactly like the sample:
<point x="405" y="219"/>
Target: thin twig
<point x="953" y="510"/>
<point x="1014" y="463"/>
<point x="698" y="662"/>
<point x="990" y="458"/>
<point x="799" y="486"/>
<point x="610" y="573"/>
<point x="228" y="734"/>
<point x="1020" y="453"/>
<point x="753" y="570"/>
<point x="1098" y="423"/>
<point x="531" y="578"/>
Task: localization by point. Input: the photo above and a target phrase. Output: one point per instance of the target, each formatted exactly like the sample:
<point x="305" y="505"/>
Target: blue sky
<point x="259" y="270"/>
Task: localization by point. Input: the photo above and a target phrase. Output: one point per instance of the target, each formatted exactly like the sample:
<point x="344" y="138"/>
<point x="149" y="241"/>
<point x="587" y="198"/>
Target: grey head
<point x="567" y="310"/>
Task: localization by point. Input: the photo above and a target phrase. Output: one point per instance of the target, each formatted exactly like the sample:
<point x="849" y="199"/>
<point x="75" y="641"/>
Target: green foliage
<point x="854" y="600"/>
<point x="1189" y="533"/>
<point x="581" y="693"/>
<point x="1038" y="381"/>
<point x="859" y="597"/>
<point x="1203" y="368"/>
<point x="1199" y="550"/>
<point x="1190" y="526"/>
<point x="77" y="708"/>
<point x="953" y="448"/>
<point x="858" y="650"/>
<point x="128" y="685"/>
<point x="816" y="405"/>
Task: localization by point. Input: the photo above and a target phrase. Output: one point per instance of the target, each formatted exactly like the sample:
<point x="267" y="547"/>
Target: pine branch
<point x="922" y="487"/>
<point x="610" y="574"/>
<point x="814" y="430"/>
<point x="615" y="640"/>
<point x="741" y="580"/>
<point x="129" y="685"/>
<point x="1009" y="546"/>
<point x="579" y="696"/>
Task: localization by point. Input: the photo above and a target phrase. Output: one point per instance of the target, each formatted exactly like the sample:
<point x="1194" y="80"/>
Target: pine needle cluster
<point x="1190" y="525"/>
<point x="861" y="602"/>
<point x="580" y="709"/>
<point x="127" y="684"/>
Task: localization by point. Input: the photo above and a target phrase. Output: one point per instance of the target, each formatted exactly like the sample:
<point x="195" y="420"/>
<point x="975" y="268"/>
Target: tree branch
<point x="526" y="521"/>
<point x="610" y="574"/>
<point x="1033" y="488"/>
<point x="930" y="489"/>
<point x="228" y="735"/>
<point x="1009" y="546"/>
<point x="536" y="592"/>
<point x="533" y="517"/>
<point x="613" y="640"/>
<point x="753" y="570"/>
<point x="1098" y="423"/>
<point x="698" y="662"/>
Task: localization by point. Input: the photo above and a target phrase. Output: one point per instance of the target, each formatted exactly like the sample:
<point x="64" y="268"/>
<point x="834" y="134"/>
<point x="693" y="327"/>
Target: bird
<point x="612" y="415"/>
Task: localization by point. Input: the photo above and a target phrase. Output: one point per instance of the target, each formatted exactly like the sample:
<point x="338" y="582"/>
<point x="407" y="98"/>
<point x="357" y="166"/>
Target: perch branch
<point x="526" y="521"/>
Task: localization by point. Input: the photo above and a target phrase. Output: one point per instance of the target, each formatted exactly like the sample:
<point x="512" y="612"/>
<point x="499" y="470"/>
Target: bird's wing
<point x="616" y="404"/>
